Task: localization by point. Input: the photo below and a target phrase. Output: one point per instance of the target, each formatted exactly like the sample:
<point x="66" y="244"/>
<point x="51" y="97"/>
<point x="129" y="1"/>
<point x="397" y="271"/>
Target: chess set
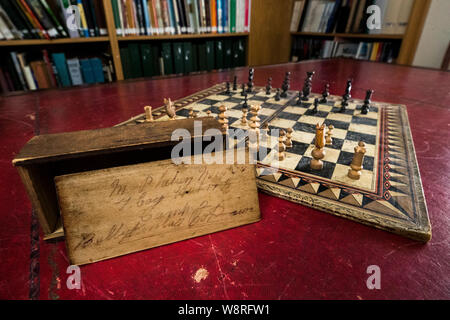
<point x="348" y="157"/>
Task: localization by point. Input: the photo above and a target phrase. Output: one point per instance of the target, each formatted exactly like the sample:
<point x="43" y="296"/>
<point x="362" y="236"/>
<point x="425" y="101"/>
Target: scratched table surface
<point x="294" y="252"/>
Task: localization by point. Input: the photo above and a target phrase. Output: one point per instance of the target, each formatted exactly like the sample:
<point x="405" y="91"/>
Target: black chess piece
<point x="366" y="106"/>
<point x="316" y="104"/>
<point x="235" y="86"/>
<point x="243" y="89"/>
<point x="325" y="94"/>
<point x="347" y="95"/>
<point x="245" y="104"/>
<point x="228" y="88"/>
<point x="251" y="74"/>
<point x="286" y="84"/>
<point x="300" y="96"/>
<point x="269" y="86"/>
<point x="307" y="85"/>
<point x="277" y="95"/>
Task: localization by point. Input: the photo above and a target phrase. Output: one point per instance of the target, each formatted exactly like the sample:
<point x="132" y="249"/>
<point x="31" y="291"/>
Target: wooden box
<point x="47" y="156"/>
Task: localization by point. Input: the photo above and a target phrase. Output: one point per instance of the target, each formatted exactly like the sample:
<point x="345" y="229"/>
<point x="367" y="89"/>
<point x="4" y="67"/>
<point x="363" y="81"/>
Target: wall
<point x="435" y="36"/>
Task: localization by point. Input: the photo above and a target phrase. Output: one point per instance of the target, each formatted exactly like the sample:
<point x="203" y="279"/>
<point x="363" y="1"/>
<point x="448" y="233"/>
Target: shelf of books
<point x="43" y="43"/>
<point x="349" y="28"/>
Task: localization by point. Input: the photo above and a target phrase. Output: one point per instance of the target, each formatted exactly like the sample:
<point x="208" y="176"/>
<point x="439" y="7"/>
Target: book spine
<point x="202" y="18"/>
<point x="115" y="9"/>
<point x="48" y="65"/>
<point x="225" y="16"/>
<point x="18" y="70"/>
<point x="88" y="15"/>
<point x="73" y="66"/>
<point x="33" y="18"/>
<point x="194" y="14"/>
<point x="41" y="15"/>
<point x="84" y="24"/>
<point x="219" y="16"/>
<point x="171" y="16"/>
<point x="156" y="28"/>
<point x="34" y="32"/>
<point x="148" y="27"/>
<point x="5" y="30"/>
<point x="176" y="17"/>
<point x="213" y="9"/>
<point x="19" y="26"/>
<point x="159" y="16"/>
<point x="99" y="13"/>
<point x="26" y="72"/>
<point x="55" y="20"/>
<point x="94" y="17"/>
<point x="132" y="19"/>
<point x="208" y="15"/>
<point x="233" y="15"/>
<point x="247" y="15"/>
<point x="140" y="16"/>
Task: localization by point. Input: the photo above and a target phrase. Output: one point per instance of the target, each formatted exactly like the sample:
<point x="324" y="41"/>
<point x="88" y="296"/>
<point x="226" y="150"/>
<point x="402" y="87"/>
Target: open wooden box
<point x="47" y="156"/>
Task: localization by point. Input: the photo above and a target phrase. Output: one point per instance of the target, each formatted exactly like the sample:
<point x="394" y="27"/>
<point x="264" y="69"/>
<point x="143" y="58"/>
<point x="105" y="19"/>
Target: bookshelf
<point x="113" y="41"/>
<point x="407" y="42"/>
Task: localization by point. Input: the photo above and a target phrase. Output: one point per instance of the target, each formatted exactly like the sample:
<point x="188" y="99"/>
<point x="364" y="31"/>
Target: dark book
<point x="333" y="17"/>
<point x="303" y="17"/>
<point x="126" y="62"/>
<point x="140" y="17"/>
<point x="227" y="55"/>
<point x="94" y="17"/>
<point x="147" y="60"/>
<point x="17" y="19"/>
<point x="166" y="54"/>
<point x="89" y="19"/>
<point x="194" y="57"/>
<point x="43" y="18"/>
<point x="188" y="63"/>
<point x="182" y="14"/>
<point x="30" y="26"/>
<point x="100" y="17"/>
<point x="4" y="87"/>
<point x="202" y="57"/>
<point x="209" y="48"/>
<point x="178" y="57"/>
<point x="218" y="48"/>
<point x="135" y="58"/>
<point x="54" y="19"/>
<point x="342" y="19"/>
<point x="240" y="47"/>
<point x="208" y="15"/>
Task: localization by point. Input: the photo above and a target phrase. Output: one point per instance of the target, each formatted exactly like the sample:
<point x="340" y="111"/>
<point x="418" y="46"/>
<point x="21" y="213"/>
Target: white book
<point x="296" y="15"/>
<point x="2" y="37"/>
<point x="5" y="30"/>
<point x="247" y="29"/>
<point x="29" y="78"/>
<point x="389" y="23"/>
<point x="306" y="27"/>
<point x="317" y="17"/>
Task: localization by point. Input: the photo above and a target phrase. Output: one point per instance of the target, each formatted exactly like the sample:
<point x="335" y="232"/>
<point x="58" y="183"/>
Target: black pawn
<point x="269" y="86"/>
<point x="228" y="88"/>
<point x="325" y="94"/>
<point x="243" y="89"/>
<point x="347" y="95"/>
<point x="286" y="84"/>
<point x="245" y="105"/>
<point x="307" y="85"/>
<point x="277" y="95"/>
<point x="366" y="106"/>
<point x="300" y="96"/>
<point x="235" y="86"/>
<point x="316" y="104"/>
<point x="251" y="74"/>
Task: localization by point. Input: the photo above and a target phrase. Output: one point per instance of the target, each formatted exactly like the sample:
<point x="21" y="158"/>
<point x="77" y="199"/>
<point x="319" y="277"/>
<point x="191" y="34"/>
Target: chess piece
<point x="245" y="104"/>
<point x="307" y="85"/>
<point x="366" y="106"/>
<point x="316" y="104"/>
<point x="251" y="74"/>
<point x="253" y="141"/>
<point x="281" y="148"/>
<point x="228" y="91"/>
<point x="244" y="116"/>
<point x="269" y="86"/>
<point x="265" y="130"/>
<point x="235" y="86"/>
<point x="195" y="114"/>
<point x="288" y="141"/>
<point x="286" y="84"/>
<point x="347" y="95"/>
<point x="329" y="139"/>
<point x="170" y="109"/>
<point x="325" y="94"/>
<point x="277" y="95"/>
<point x="243" y="89"/>
<point x="191" y="112"/>
<point x="318" y="152"/>
<point x="223" y="118"/>
<point x="300" y="96"/>
<point x="356" y="166"/>
<point x="148" y="114"/>
<point x="208" y="113"/>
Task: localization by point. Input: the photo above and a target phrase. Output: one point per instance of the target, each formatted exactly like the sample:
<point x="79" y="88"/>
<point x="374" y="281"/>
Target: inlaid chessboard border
<point x="371" y="208"/>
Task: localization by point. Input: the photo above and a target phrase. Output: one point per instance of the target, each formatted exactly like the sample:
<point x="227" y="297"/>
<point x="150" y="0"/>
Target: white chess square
<point x="282" y="123"/>
<point x="311" y="120"/>
<point x="363" y="128"/>
<point x="304" y="137"/>
<point x="349" y="146"/>
<point x="218" y="97"/>
<point x="340" y="117"/>
<point x="295" y="110"/>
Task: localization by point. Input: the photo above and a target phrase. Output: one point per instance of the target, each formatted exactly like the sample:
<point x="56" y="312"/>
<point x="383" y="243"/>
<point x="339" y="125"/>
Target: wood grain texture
<point x="113" y="43"/>
<point x="112" y="212"/>
<point x="269" y="40"/>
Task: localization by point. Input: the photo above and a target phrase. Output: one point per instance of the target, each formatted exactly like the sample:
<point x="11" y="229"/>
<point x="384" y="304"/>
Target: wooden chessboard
<point x="389" y="193"/>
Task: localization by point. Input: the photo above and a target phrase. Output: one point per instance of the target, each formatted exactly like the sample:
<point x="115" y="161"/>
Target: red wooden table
<point x="294" y="253"/>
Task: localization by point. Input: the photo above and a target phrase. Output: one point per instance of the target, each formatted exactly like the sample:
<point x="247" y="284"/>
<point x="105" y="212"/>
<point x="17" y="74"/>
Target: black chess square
<point x="358" y="136"/>
<point x="337" y="124"/>
<point x="234" y="100"/>
<point x="345" y="158"/>
<point x="213" y="109"/>
<point x="304" y="165"/>
<point x="259" y="98"/>
<point x="305" y="127"/>
<point x="262" y="153"/>
<point x="336" y="144"/>
<point x="364" y="120"/>
<point x="183" y="113"/>
<point x="320" y="114"/>
<point x="339" y="110"/>
<point x="266" y="105"/>
<point x="298" y="147"/>
<point x="208" y="102"/>
<point x="288" y="116"/>
<point x="368" y="163"/>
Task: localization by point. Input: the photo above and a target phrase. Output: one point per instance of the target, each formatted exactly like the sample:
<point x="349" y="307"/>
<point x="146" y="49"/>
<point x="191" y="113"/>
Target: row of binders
<point x="351" y="16"/>
<point x="181" y="57"/>
<point x="51" y="71"/>
<point x="303" y="49"/>
<point x="155" y="17"/>
<point x="51" y="19"/>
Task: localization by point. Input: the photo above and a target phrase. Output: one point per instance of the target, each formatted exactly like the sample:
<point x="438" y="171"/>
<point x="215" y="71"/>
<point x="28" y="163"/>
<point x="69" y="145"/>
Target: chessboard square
<point x="324" y="108"/>
<point x="218" y="97"/>
<point x="209" y="102"/>
<point x="366" y="181"/>
<point x="368" y="163"/>
<point x="319" y="114"/>
<point x="362" y="128"/>
<point x="183" y="112"/>
<point x="371" y="115"/>
<point x="259" y="98"/>
<point x="290" y="162"/>
<point x="358" y="136"/>
<point x="305" y="166"/>
<point x="349" y="146"/>
<point x="288" y="116"/>
<point x="238" y="124"/>
<point x="358" y="118"/>
<point x="198" y="107"/>
<point x="338" y="110"/>
<point x="295" y="110"/>
<point x="302" y="136"/>
<point x="262" y="93"/>
<point x="235" y="100"/>
<point x="336" y="143"/>
<point x="266" y="112"/>
<point x="339" y="133"/>
<point x="311" y="120"/>
<point x="280" y="102"/>
<point x="268" y="141"/>
<point x="337" y="124"/>
<point x="282" y="123"/>
<point x="234" y="113"/>
<point x="299" y="147"/>
<point x="331" y="155"/>
<point x="305" y="127"/>
<point x="340" y="117"/>
<point x="266" y="105"/>
<point x="227" y="104"/>
<point x="213" y="109"/>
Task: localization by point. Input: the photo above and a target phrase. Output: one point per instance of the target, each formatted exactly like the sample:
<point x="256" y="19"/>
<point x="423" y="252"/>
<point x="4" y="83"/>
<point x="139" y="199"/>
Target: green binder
<point x="135" y="59"/>
<point x="148" y="60"/>
<point x="219" y="54"/>
<point x="209" y="55"/>
<point x="227" y="55"/>
<point x="166" y="53"/>
<point x="195" y="57"/>
<point x="202" y="65"/>
<point x="188" y="63"/>
<point x="125" y="57"/>
<point x="178" y="57"/>
<point x="241" y="52"/>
